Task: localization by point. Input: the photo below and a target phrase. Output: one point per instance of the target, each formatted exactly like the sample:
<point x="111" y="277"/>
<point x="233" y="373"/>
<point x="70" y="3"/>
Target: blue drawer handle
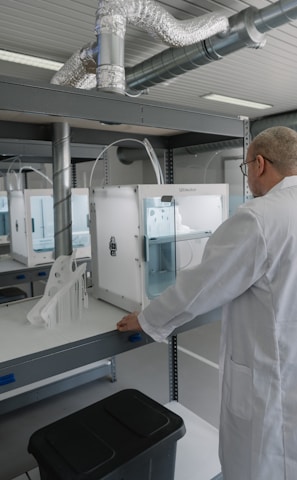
<point x="42" y="274"/>
<point x="6" y="379"/>
<point x="135" y="337"/>
<point x="20" y="277"/>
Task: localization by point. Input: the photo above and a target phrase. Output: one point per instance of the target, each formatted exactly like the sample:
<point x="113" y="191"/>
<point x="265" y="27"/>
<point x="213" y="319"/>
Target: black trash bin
<point x="127" y="436"/>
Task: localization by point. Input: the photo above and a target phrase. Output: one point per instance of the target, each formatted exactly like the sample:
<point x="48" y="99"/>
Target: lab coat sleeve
<point x="234" y="259"/>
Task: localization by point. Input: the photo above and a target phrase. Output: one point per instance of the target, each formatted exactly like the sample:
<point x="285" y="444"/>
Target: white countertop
<point x="18" y="337"/>
<point x="8" y="264"/>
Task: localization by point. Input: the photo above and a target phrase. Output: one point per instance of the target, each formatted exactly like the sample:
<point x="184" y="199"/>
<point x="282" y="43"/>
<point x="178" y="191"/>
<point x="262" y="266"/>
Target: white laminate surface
<point x="18" y="337"/>
<point x="8" y="264"/>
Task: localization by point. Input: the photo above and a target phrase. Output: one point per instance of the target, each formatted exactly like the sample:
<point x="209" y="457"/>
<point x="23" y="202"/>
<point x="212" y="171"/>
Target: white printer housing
<point x="32" y="225"/>
<point x="142" y="236"/>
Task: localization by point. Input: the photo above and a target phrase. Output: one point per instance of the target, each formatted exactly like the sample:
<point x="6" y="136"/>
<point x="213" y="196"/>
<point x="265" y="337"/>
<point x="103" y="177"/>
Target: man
<point x="249" y="267"/>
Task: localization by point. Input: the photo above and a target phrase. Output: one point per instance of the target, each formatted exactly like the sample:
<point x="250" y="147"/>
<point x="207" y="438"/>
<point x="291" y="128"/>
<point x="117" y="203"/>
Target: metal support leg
<point x="173" y="373"/>
<point x="172" y="341"/>
<point x="113" y="369"/>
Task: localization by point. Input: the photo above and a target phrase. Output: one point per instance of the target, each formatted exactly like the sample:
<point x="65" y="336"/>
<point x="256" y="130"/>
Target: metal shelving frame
<point x="28" y="112"/>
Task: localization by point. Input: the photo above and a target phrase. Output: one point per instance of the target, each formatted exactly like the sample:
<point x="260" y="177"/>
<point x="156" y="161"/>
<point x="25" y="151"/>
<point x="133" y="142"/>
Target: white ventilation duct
<point x="112" y="17"/>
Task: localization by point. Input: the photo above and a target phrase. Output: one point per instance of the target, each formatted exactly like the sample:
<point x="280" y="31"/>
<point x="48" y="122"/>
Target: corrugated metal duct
<point x="246" y="29"/>
<point x="108" y="53"/>
<point x="111" y="20"/>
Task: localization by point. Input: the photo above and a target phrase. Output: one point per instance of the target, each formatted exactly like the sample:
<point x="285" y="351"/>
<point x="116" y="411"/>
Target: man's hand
<point x="129" y="322"/>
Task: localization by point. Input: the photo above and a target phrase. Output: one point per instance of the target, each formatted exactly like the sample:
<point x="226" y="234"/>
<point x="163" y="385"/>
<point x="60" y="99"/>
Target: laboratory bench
<point x="29" y="354"/>
<point x="36" y="362"/>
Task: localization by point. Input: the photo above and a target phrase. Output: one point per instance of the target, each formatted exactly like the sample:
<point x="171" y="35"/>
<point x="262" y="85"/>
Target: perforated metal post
<point x="113" y="367"/>
<point x="106" y="169"/>
<point x="168" y="165"/>
<point x="172" y="342"/>
<point x="74" y="175"/>
<point x="173" y="368"/>
<point x="246" y="142"/>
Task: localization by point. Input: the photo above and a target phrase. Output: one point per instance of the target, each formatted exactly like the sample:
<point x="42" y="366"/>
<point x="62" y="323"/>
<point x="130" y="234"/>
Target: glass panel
<point x="80" y="221"/>
<point x="235" y="179"/>
<point x="4" y="216"/>
<point x="159" y="234"/>
<point x="197" y="217"/>
<point x="42" y="218"/>
<point x="176" y="232"/>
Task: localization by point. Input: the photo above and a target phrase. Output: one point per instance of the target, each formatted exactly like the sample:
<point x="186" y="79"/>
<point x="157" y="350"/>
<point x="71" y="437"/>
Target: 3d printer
<point x="32" y="225"/>
<point x="143" y="235"/>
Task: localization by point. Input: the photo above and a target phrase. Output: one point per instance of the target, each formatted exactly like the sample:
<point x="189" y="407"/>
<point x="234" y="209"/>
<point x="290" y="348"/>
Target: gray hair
<point x="279" y="144"/>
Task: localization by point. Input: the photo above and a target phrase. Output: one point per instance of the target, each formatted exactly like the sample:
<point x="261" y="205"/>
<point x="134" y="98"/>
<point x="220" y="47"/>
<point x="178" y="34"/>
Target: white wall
<point x="213" y="167"/>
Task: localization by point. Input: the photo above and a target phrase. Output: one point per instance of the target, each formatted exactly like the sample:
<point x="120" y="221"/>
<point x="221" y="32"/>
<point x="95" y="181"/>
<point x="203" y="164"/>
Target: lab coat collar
<point x="286" y="182"/>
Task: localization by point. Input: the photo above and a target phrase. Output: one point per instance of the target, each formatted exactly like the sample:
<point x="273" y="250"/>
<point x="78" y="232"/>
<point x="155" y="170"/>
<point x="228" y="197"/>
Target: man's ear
<point x="260" y="163"/>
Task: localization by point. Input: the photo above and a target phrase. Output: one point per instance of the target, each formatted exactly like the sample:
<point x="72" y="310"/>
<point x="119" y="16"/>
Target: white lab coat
<point x="250" y="267"/>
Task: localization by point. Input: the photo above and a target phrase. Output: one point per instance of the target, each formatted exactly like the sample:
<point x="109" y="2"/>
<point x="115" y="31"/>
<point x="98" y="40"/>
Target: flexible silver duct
<point x="247" y="29"/>
<point x="112" y="17"/>
<point x="80" y="70"/>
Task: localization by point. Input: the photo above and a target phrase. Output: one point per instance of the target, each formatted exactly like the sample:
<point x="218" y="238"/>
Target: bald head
<point x="279" y="144"/>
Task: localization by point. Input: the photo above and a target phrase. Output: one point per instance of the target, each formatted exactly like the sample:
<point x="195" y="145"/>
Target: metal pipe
<point x="275" y="15"/>
<point x="130" y="155"/>
<point x="286" y="120"/>
<point x="247" y="29"/>
<point x="62" y="189"/>
<point x="111" y="19"/>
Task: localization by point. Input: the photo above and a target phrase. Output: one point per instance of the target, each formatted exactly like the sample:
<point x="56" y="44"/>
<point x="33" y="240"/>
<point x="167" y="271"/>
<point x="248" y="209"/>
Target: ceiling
<point x="55" y="29"/>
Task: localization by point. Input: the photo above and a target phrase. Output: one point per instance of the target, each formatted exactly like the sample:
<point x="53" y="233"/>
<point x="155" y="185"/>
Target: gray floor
<point x="145" y="369"/>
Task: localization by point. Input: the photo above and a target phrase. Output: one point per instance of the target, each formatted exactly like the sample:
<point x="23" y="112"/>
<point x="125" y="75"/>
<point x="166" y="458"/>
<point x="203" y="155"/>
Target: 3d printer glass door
<point x="176" y="230"/>
<point x="42" y="219"/>
<point x="159" y="245"/>
<point x="4" y="218"/>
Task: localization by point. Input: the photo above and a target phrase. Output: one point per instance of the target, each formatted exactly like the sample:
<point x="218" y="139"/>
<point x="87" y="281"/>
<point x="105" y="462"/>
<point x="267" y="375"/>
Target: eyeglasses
<point x="243" y="165"/>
